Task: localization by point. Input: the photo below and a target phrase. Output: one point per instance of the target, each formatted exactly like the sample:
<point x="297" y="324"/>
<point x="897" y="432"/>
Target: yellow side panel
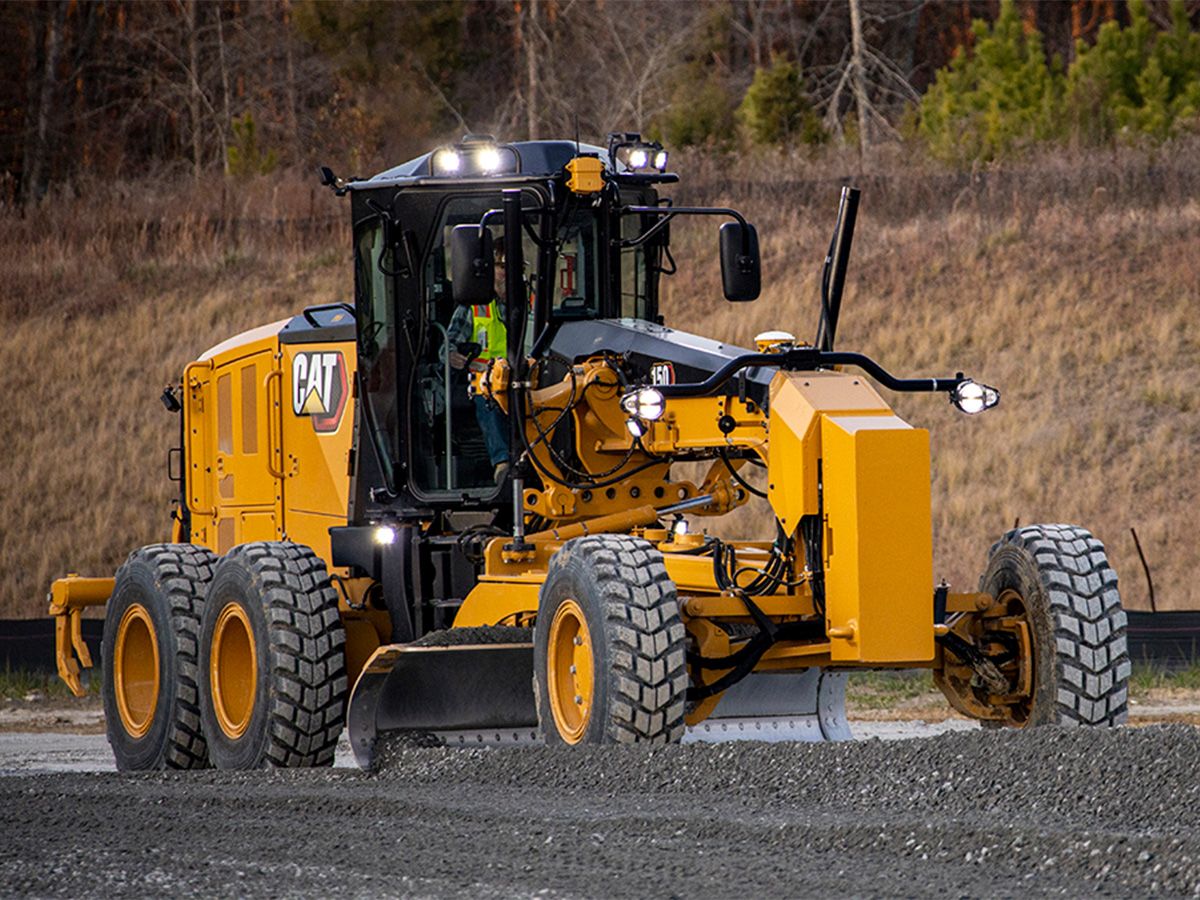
<point x="257" y="526"/>
<point x="879" y="540"/>
<point x="312" y="530"/>
<point x="797" y="399"/>
<point x="495" y="600"/>
<point x="318" y="430"/>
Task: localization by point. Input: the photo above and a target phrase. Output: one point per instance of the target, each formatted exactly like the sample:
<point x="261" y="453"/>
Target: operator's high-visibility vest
<point x="488" y="330"/>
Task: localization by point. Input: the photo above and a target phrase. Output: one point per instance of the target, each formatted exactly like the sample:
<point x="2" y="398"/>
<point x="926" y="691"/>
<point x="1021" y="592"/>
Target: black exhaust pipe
<point x="833" y="278"/>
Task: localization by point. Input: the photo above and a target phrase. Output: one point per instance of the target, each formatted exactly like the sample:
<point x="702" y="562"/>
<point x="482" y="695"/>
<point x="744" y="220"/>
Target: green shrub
<point x="776" y="110"/>
<point x="701" y="113"/>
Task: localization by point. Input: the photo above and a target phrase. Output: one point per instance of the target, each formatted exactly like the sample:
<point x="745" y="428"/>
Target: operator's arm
<point x="458" y="332"/>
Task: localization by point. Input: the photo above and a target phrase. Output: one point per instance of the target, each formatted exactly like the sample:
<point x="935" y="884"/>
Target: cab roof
<point x="536" y="158"/>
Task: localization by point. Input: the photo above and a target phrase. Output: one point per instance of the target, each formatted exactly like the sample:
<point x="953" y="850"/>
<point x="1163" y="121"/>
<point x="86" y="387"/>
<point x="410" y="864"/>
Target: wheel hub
<point x="135" y="670"/>
<point x="569" y="671"/>
<point x="233" y="671"/>
<point x="1003" y="636"/>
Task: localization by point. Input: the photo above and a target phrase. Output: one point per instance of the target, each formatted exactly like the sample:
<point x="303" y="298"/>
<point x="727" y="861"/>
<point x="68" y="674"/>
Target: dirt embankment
<point x="1046" y="812"/>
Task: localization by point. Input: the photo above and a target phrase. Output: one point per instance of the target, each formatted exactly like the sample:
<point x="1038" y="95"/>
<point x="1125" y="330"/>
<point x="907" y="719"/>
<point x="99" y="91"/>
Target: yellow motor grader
<point x="461" y="507"/>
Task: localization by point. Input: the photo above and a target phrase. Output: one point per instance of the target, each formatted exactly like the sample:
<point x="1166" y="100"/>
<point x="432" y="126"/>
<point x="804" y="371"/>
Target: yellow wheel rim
<point x="233" y="670"/>
<point x="1013" y="605"/>
<point x="569" y="671"/>
<point x="135" y="670"/>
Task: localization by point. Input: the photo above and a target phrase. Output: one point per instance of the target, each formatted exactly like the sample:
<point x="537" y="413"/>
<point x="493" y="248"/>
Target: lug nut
<point x="579" y="699"/>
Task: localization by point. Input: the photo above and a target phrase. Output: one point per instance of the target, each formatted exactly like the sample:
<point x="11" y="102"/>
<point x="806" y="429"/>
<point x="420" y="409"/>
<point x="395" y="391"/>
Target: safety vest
<point x="488" y="329"/>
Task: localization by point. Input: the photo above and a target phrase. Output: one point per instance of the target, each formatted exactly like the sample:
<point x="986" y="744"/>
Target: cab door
<point x="234" y="488"/>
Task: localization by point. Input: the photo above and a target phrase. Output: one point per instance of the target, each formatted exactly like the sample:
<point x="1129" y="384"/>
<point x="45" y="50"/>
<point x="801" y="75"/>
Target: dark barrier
<point x="28" y="644"/>
<point x="1168" y="639"/>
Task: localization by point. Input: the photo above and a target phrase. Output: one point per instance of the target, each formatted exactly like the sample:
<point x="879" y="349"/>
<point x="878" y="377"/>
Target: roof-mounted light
<point x="629" y="150"/>
<point x="473" y="157"/>
<point x="447" y="162"/>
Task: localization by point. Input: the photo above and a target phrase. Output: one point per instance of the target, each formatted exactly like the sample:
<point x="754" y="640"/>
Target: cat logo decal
<point x="319" y="389"/>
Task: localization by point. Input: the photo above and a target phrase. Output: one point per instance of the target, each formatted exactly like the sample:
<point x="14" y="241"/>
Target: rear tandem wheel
<point x="149" y="658"/>
<point x="610" y="646"/>
<point x="273" y="691"/>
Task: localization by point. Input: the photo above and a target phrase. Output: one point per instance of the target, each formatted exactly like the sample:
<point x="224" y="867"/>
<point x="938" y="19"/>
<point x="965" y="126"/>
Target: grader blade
<point x="485" y="690"/>
<point x="779" y="706"/>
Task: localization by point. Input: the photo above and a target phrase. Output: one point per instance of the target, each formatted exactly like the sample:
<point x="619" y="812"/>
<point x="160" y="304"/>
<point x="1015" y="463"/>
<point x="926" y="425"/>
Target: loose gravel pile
<point x="1048" y="812"/>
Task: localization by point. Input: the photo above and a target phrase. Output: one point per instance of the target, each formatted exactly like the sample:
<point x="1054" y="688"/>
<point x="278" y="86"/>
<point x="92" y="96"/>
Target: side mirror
<point x="472" y="270"/>
<point x="741" y="273"/>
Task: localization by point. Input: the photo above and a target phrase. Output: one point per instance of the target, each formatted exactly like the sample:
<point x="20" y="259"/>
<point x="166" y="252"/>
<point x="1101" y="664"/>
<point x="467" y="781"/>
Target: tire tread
<point x="1092" y="659"/>
<point x="183" y="572"/>
<point x="648" y="640"/>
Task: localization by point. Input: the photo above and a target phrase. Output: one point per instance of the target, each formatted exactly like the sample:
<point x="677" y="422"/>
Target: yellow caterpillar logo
<point x="319" y="389"/>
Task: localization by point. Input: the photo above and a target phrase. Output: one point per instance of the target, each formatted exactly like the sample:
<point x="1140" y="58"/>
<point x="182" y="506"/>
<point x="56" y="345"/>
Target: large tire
<point x="272" y="650"/>
<point x="150" y="658"/>
<point x="610" y="647"/>
<point x="1062" y="575"/>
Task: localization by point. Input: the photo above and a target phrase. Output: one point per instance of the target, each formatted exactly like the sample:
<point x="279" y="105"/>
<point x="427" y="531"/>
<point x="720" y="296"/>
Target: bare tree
<point x="46" y="80"/>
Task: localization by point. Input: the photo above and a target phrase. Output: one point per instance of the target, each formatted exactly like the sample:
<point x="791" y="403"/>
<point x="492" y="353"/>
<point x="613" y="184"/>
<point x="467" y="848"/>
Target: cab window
<point x="460" y="442"/>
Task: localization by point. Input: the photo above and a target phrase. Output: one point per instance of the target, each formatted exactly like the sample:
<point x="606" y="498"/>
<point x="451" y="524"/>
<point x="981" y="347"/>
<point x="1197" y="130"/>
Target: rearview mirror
<point x="471" y="264"/>
<point x="741" y="273"/>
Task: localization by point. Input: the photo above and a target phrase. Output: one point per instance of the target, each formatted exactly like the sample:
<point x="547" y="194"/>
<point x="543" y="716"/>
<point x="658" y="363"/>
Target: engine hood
<point x="642" y="344"/>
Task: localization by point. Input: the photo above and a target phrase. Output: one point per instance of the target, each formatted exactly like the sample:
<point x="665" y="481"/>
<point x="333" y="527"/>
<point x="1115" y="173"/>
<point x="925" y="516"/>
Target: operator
<point x="483" y="324"/>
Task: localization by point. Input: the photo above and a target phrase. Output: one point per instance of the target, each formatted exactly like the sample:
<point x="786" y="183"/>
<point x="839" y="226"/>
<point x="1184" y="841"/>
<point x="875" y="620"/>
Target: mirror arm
<point x="666" y="214"/>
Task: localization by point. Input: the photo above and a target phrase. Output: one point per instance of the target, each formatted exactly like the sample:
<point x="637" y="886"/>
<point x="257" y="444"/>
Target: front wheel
<point x="610" y="647"/>
<point x="1056" y="631"/>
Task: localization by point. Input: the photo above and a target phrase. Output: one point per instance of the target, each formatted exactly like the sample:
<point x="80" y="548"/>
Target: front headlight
<point x="645" y="403"/>
<point x="489" y="160"/>
<point x="972" y="397"/>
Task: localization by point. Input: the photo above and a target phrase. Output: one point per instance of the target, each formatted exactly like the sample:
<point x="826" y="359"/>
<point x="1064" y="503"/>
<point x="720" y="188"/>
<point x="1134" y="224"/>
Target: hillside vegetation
<point x="1071" y="284"/>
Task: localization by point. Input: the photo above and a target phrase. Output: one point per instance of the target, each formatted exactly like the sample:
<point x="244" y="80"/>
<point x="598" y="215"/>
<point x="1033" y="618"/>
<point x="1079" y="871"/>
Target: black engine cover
<point x="642" y="344"/>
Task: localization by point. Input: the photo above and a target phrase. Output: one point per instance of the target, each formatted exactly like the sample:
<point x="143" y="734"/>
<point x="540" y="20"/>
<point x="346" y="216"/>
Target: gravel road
<point x="1074" y="813"/>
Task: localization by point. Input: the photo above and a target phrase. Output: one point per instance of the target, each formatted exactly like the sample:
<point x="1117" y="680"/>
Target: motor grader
<point x="346" y="550"/>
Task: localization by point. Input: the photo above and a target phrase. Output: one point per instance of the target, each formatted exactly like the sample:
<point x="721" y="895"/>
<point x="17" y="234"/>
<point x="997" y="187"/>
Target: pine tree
<point x="994" y="99"/>
<point x="1135" y="81"/>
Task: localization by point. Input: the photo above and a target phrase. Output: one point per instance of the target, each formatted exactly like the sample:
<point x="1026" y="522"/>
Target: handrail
<point x="446" y="390"/>
<point x="274" y="416"/>
<point x="808" y="359"/>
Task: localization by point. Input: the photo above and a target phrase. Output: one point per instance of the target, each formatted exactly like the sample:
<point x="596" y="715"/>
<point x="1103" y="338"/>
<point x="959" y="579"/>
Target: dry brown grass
<point x="1074" y="290"/>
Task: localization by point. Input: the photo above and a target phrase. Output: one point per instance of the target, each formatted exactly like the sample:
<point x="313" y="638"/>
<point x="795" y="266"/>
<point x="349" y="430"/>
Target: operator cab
<point x="432" y="443"/>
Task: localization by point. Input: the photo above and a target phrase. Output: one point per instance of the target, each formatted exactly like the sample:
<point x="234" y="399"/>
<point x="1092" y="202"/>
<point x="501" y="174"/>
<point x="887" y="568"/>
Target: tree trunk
<point x="193" y="47"/>
<point x="858" y="77"/>
<point x="223" y="125"/>
<point x="293" y="124"/>
<point x="37" y="146"/>
<point x="531" y="69"/>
